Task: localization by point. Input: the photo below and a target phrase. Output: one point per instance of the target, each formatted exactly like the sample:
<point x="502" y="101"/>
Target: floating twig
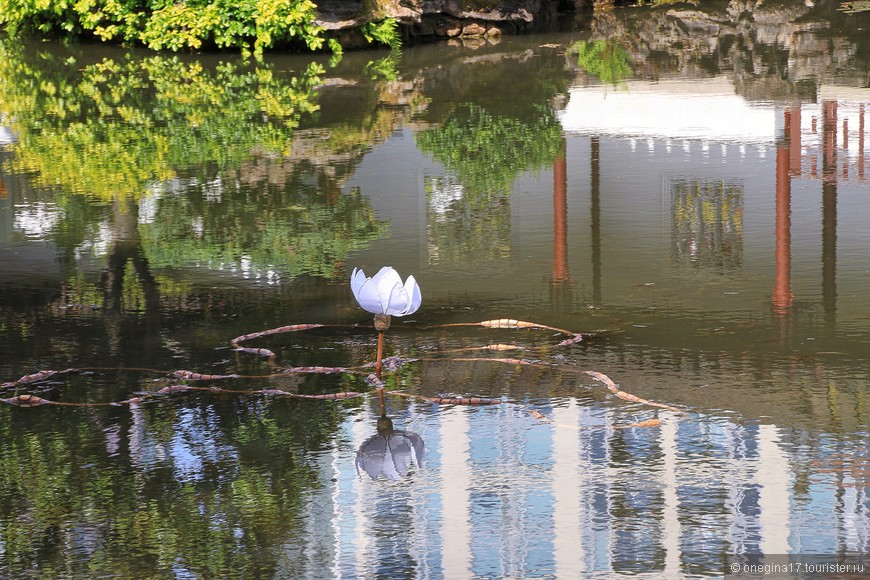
<point x="611" y="386"/>
<point x="191" y="376"/>
<point x="37" y="377"/>
<point x="392" y="363"/>
<point x="508" y="323"/>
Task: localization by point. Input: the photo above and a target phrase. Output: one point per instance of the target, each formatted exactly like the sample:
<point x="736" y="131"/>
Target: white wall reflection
<point x="502" y="494"/>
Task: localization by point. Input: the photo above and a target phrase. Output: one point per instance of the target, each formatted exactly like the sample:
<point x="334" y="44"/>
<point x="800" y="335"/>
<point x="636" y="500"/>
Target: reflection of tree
<point x="127" y="279"/>
<point x="133" y="493"/>
<point x="486" y="153"/>
<point x="114" y="129"/>
<point x="104" y="129"/>
<point x="708" y="223"/>
<point x="459" y="228"/>
<point x="264" y="231"/>
<point x="607" y="60"/>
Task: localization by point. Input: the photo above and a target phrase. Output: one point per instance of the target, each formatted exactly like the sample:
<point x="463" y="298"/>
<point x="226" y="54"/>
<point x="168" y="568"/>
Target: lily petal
<point x="371" y="456"/>
<point x="385" y="279"/>
<point x="415" y="298"/>
<point x="400" y="452"/>
<point x="357" y="277"/>
<point x="417" y="442"/>
<point x="369" y="298"/>
<point x="389" y="468"/>
<point x="397" y="301"/>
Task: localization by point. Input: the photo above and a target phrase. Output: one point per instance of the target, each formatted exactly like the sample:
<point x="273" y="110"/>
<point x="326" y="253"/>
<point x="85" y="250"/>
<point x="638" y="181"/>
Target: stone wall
<point x="422" y="19"/>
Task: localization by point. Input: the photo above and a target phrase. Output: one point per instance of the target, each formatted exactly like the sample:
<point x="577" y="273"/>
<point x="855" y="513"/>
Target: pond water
<point x="685" y="187"/>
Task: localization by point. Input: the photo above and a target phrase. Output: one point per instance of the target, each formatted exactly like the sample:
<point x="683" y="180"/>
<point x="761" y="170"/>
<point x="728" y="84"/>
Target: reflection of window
<point x="459" y="228"/>
<point x="707" y="223"/>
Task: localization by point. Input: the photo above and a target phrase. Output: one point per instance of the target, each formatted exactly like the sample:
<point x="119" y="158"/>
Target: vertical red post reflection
<point x="782" y="295"/>
<point x="829" y="212"/>
<point x="861" y="142"/>
<point x="829" y="141"/>
<point x="845" y="148"/>
<point x="793" y="136"/>
<point x="595" y="217"/>
<point x="560" y="217"/>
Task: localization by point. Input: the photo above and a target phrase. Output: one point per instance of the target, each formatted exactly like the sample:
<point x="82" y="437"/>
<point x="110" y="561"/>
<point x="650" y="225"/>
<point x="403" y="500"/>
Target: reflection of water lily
<point x="390" y="453"/>
<point x="384" y="293"/>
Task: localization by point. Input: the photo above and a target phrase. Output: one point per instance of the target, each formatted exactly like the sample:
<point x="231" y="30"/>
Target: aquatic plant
<point x="384" y="295"/>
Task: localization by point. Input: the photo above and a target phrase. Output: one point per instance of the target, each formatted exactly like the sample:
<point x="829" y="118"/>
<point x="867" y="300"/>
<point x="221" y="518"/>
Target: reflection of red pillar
<point x="560" y="217"/>
<point x="845" y="147"/>
<point x="829" y="141"/>
<point x="829" y="212"/>
<point x="793" y="136"/>
<point x="861" y="142"/>
<point x="782" y="295"/>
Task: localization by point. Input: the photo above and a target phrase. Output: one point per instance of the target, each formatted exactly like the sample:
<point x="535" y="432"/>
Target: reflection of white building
<point x="677" y="110"/>
<point x="503" y="495"/>
<point x="708" y="113"/>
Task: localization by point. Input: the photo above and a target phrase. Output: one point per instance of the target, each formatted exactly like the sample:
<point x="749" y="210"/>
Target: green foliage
<point x="384" y="32"/>
<point x="470" y="215"/>
<point x="162" y="24"/>
<point x="131" y="130"/>
<point x="110" y="128"/>
<point x="384" y="68"/>
<point x="488" y="152"/>
<point x="605" y="59"/>
<point x="261" y="231"/>
<point x="69" y="508"/>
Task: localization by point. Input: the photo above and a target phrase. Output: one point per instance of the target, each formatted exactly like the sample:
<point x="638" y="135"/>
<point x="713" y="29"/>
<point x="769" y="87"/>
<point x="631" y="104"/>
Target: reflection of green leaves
<point x="460" y="229"/>
<point x="69" y="508"/>
<point x="107" y="129"/>
<point x="263" y="232"/>
<point x="384" y="68"/>
<point x="605" y="59"/>
<point x="488" y="152"/>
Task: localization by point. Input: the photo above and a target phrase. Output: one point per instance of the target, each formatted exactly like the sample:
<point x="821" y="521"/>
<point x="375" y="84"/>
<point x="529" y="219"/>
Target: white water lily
<point x="390" y="453"/>
<point x="384" y="293"/>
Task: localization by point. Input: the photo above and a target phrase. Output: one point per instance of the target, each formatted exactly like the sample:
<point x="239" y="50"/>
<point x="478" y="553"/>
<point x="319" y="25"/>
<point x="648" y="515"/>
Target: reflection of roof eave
<point x="707" y="110"/>
<point x="843" y="94"/>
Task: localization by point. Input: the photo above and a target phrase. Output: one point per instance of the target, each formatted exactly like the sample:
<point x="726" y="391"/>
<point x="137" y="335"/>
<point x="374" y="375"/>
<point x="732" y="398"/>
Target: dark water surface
<point x="688" y="185"/>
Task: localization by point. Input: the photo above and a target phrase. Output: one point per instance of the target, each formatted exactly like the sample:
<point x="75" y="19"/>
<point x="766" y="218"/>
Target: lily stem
<point x="380" y="354"/>
<point x="382" y="401"/>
